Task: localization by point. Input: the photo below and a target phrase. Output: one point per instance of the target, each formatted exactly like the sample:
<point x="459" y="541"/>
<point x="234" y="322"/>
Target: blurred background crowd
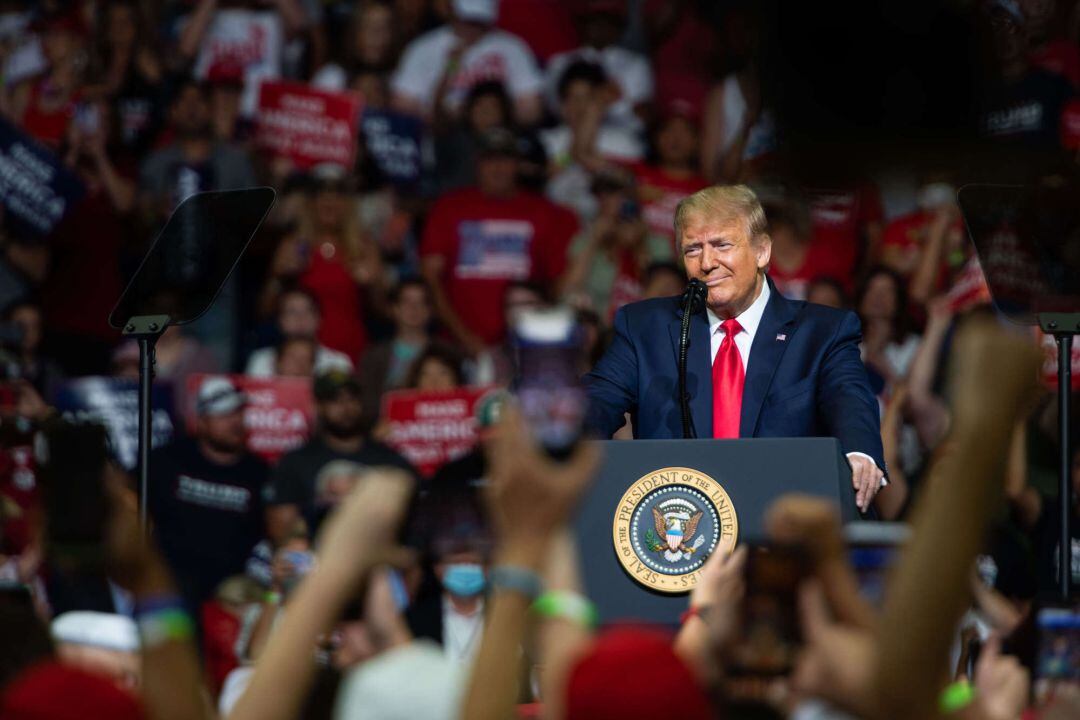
<point x="505" y="155"/>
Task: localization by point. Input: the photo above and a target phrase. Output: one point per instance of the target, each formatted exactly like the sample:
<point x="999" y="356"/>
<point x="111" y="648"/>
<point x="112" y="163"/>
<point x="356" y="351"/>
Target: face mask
<point x="464" y="579"/>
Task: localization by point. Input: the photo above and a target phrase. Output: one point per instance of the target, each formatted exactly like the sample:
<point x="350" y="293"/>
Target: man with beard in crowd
<point x="340" y="435"/>
<point x="205" y="495"/>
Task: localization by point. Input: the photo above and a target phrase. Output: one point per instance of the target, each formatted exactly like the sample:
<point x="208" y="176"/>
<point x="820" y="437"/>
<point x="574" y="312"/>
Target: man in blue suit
<point x="759" y="365"/>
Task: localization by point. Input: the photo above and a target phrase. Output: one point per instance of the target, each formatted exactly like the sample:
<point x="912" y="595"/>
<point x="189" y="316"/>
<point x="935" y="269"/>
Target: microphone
<point x="693" y="298"/>
<point x="693" y="301"/>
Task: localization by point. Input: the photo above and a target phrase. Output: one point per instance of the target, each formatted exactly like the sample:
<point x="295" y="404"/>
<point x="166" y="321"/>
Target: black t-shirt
<point x="1028" y="111"/>
<point x="293" y="480"/>
<point x="207" y="517"/>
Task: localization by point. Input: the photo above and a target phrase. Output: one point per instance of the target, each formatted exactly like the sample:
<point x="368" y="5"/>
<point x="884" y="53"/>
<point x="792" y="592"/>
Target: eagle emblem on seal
<point x="676" y="522"/>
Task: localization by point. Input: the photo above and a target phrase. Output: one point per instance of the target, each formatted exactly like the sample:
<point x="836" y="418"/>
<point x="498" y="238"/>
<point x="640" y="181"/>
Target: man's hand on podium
<point x="866" y="478"/>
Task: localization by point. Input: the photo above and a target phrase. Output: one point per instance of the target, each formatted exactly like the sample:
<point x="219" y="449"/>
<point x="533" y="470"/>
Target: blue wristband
<point x="156" y="603"/>
<point x="517" y="579"/>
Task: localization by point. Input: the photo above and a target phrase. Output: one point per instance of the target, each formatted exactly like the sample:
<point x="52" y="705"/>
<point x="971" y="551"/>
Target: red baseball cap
<point x="630" y="673"/>
<point x="52" y="691"/>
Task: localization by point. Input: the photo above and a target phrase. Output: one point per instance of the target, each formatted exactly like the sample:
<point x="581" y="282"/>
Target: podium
<point x="658" y="508"/>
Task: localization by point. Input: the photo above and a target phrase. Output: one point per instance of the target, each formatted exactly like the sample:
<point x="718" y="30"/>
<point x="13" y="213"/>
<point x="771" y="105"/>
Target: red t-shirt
<point x="487" y="243"/>
<point x="19" y="486"/>
<point x="341" y="303"/>
<point x="659" y="193"/>
<point x="907" y="231"/>
<point x="682" y="60"/>
<point x="838" y="217"/>
<point x="546" y="25"/>
<point x="819" y="262"/>
<point x="908" y="234"/>
<point x="85" y="279"/>
<point x="1059" y="57"/>
<point x="48" y="126"/>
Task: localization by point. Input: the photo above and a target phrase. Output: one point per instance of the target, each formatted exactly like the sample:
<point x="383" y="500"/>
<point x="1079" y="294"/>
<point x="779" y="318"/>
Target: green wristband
<point x="162" y="626"/>
<point x="566" y="605"/>
<point x="956" y="696"/>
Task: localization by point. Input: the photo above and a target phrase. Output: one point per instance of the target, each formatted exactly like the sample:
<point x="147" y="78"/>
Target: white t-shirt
<point x="498" y="55"/>
<point x="613" y="143"/>
<point x="261" y="362"/>
<point x="249" y="40"/>
<point x="571" y="185"/>
<point x="762" y="138"/>
<point x="628" y="70"/>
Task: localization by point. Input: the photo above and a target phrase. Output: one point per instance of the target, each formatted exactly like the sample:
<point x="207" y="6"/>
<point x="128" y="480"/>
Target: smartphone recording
<point x="548" y="348"/>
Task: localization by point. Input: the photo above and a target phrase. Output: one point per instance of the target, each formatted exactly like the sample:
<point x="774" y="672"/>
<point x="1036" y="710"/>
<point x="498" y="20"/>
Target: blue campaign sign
<point x="393" y="141"/>
<point x="36" y="189"/>
<point x="114" y="403"/>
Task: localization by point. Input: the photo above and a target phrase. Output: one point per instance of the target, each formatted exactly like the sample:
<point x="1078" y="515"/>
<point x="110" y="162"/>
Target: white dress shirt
<point x="750" y="320"/>
<point x="461" y="633"/>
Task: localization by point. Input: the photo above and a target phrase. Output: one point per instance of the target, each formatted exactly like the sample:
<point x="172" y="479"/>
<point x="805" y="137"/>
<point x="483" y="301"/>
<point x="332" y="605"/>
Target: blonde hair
<point x="723" y="202"/>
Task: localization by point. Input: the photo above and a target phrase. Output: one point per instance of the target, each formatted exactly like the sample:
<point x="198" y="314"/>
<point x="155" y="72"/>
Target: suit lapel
<point x="698" y="370"/>
<point x="765" y="353"/>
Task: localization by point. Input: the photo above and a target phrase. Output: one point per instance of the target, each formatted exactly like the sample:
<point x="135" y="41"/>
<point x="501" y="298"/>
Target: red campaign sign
<point x="307" y="125"/>
<point x="1050" y="361"/>
<point x="280" y="413"/>
<point x="431" y="428"/>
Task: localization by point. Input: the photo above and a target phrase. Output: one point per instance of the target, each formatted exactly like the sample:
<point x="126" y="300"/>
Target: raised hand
<point x="531" y="495"/>
<point x="1001" y="683"/>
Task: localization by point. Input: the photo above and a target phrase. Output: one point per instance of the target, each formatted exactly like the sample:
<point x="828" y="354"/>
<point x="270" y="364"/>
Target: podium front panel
<point x="751" y="473"/>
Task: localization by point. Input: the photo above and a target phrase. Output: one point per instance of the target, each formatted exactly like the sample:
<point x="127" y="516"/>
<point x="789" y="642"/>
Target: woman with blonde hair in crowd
<point x="329" y="254"/>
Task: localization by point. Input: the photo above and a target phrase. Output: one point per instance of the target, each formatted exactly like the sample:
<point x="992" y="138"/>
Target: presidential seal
<point x="668" y="523"/>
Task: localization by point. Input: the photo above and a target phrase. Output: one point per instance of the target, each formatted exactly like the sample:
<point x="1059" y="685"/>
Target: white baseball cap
<point x="96" y="629"/>
<point x="482" y="11"/>
<point x="416" y="680"/>
<point x="218" y="396"/>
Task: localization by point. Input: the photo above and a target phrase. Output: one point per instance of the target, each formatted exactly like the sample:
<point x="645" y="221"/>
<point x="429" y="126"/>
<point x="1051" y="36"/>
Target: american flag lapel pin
<point x="781" y="337"/>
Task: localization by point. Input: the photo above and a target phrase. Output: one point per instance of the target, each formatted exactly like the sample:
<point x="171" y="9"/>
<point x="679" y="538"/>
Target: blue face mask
<point x="464" y="579"/>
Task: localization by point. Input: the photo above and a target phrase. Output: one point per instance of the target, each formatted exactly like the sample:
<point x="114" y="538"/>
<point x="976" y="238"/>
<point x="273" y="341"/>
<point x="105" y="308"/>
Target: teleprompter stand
<point x="1063" y="326"/>
<point x="1027" y="238"/>
<point x="179" y="279"/>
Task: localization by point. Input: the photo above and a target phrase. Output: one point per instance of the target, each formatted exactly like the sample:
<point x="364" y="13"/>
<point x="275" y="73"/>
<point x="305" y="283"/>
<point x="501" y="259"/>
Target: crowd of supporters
<point x="554" y="139"/>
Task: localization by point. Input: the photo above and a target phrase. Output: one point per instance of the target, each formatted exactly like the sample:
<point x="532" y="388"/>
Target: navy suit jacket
<point x="804" y="377"/>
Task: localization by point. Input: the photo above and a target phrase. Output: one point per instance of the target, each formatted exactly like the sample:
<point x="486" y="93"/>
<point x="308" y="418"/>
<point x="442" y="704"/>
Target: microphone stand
<point x="693" y="299"/>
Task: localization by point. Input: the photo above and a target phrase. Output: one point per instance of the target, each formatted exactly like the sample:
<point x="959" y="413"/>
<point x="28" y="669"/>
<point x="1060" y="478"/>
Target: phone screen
<point x="75" y="500"/>
<point x="1058" y="662"/>
<point x="770" y="637"/>
<point x="549" y="351"/>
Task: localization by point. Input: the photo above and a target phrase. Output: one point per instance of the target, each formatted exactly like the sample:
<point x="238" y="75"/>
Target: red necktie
<point x="727" y="383"/>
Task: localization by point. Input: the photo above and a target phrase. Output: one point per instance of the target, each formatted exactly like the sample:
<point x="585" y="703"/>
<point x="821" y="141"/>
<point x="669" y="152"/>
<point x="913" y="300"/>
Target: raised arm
<point x="930" y="587"/>
<point x="562" y="638"/>
<point x="195" y="28"/>
<point x="531" y="499"/>
<point x="352" y="544"/>
<point x="172" y="687"/>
